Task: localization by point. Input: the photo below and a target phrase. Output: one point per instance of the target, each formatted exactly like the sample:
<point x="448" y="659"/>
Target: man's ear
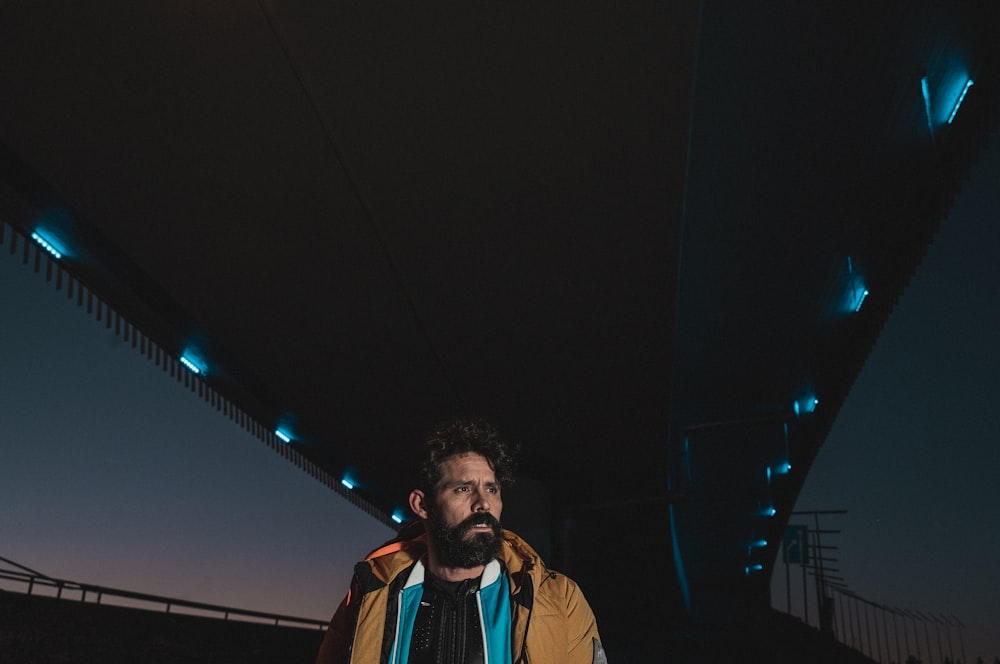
<point x="418" y="503"/>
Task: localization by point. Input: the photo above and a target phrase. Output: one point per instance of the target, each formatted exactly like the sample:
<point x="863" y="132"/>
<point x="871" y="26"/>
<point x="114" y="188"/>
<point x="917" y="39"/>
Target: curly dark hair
<point x="461" y="436"/>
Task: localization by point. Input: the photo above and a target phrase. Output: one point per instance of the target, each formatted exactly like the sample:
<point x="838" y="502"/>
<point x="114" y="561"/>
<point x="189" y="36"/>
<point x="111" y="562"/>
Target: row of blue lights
<point x="56" y="248"/>
<point x="758" y="543"/>
<point x="190" y="359"/>
<point x="767" y="510"/>
<point x="285" y="436"/>
<point x="197" y="366"/>
<point x="858" y="293"/>
<point x="800" y="407"/>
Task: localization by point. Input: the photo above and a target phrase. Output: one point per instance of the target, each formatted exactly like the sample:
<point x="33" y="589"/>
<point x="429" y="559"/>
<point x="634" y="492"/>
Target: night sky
<point x="115" y="474"/>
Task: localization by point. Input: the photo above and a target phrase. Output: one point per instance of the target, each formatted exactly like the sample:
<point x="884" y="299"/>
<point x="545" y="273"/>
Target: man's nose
<point x="483" y="501"/>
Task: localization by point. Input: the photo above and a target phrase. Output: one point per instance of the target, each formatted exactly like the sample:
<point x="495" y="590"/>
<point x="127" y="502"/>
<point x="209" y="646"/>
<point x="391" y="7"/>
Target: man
<point x="454" y="587"/>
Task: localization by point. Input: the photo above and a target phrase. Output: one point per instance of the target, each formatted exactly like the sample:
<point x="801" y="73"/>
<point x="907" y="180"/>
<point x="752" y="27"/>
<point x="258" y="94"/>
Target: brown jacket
<point x="551" y="623"/>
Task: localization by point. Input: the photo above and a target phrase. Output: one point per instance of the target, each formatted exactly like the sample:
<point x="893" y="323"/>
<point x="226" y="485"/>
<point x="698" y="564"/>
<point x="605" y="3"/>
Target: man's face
<point x="464" y="512"/>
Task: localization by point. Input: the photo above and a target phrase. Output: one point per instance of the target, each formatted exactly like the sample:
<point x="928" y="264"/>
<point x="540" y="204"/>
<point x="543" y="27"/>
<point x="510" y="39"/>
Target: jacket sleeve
<point x="336" y="646"/>
<point x="584" y="641"/>
<point x="561" y="626"/>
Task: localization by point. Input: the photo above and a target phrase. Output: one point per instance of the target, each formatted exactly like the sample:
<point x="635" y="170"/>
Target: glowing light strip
<point x="46" y="244"/>
<point x="961" y="98"/>
<point x="397" y="518"/>
<point x="190" y="364"/>
<point x="282" y="436"/>
<point x="347" y="483"/>
<point x="860" y="300"/>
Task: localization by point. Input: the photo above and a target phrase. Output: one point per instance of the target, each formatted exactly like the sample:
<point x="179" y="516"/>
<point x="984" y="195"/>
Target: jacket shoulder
<point x="389" y="560"/>
<point x="557" y="587"/>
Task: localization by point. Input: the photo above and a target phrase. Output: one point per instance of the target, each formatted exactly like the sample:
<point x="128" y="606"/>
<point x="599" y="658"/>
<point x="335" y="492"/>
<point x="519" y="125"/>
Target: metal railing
<point x="33" y="581"/>
<point x="885" y="634"/>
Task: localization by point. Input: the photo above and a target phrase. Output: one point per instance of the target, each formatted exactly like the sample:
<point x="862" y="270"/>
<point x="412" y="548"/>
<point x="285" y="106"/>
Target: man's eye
<point x="462" y="489"/>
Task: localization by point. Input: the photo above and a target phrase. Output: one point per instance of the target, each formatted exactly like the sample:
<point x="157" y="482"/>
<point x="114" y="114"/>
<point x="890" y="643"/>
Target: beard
<point x="456" y="549"/>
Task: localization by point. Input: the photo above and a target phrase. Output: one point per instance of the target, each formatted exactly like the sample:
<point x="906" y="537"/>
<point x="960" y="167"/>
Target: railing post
<point x="927" y="635"/>
<point x="916" y="636"/>
<point x="937" y="632"/>
<point x="868" y="629"/>
<point x="895" y="632"/>
<point x="906" y="639"/>
<point x="878" y="635"/>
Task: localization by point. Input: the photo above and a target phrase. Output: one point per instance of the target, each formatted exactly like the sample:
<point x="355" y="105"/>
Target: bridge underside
<point x="635" y="236"/>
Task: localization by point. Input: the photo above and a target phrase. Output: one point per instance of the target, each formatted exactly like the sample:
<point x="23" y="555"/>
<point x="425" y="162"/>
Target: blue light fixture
<point x="753" y="568"/>
<point x="925" y="89"/>
<point x="756" y="544"/>
<point x="860" y="293"/>
<point x="347" y="483"/>
<point x="48" y="243"/>
<point x="805" y="406"/>
<point x="782" y="468"/>
<point x="397" y="517"/>
<point x="961" y="98"/>
<point x="857" y="289"/>
<point x="194" y="363"/>
<point x="283" y="435"/>
<point x="769" y="511"/>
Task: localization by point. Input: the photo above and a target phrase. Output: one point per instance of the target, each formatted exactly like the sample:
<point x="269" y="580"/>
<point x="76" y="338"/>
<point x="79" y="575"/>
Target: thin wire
<point x="368" y="212"/>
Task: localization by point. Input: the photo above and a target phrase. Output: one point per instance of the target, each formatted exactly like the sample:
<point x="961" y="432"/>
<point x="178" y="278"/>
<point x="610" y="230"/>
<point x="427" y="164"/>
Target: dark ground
<point x="44" y="630"/>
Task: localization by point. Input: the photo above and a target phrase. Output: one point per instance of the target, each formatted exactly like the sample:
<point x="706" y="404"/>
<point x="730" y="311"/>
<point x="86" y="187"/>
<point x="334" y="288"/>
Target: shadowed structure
<point x="638" y="237"/>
